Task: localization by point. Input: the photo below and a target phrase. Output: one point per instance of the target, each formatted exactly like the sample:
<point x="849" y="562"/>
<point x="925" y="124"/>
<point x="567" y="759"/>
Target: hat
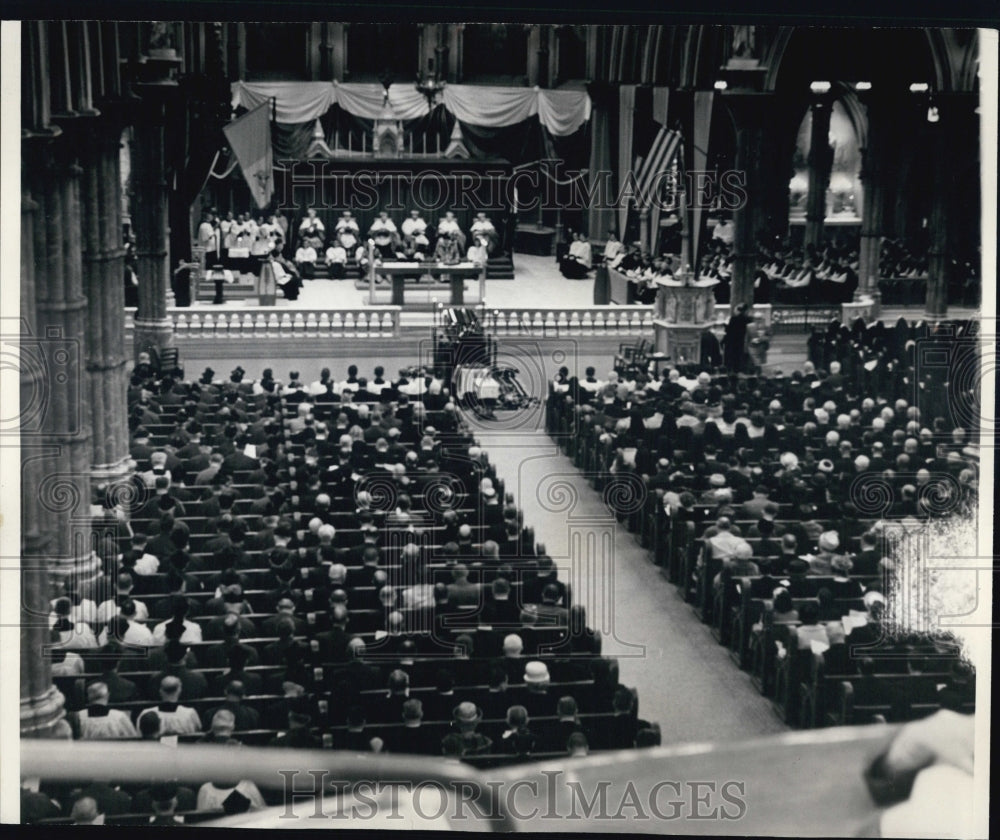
<point x="467" y="713"/>
<point x="486" y="487"/>
<point x="536" y="672"/>
<point x="829" y="541"/>
<point x="717" y="480"/>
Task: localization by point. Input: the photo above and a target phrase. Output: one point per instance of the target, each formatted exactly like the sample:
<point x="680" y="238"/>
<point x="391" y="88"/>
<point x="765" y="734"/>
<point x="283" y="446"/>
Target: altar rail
<point x="278" y="322"/>
<point x="559" y="322"/>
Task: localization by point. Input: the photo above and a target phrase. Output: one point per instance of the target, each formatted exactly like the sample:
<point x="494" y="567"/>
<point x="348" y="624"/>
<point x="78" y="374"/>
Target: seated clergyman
<point x="447" y="251"/>
<point x="482" y="229"/>
<point x="449" y="224"/>
<point x="414" y="230"/>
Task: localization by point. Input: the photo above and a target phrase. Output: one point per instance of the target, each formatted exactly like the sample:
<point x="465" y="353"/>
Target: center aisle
<point x="686" y="681"/>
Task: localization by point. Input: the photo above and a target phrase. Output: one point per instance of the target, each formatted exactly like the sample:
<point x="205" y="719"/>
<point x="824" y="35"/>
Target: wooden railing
<point x="581" y="321"/>
<point x="279" y="322"/>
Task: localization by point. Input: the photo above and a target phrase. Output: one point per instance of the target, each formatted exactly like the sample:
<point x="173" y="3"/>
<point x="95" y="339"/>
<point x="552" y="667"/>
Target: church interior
<point x="481" y="398"/>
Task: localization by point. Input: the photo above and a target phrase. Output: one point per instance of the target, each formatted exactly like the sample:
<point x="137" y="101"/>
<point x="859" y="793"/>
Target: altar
<point x="408" y="277"/>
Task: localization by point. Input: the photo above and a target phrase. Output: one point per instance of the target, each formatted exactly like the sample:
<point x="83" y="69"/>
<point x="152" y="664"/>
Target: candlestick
<point x="349" y="142"/>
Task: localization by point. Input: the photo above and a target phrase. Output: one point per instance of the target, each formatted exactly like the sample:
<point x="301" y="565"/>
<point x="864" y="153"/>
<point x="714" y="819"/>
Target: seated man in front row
<point x="449" y="224"/>
<point x="305" y="257"/>
<point x="448" y="250"/>
<point x="415" y="232"/>
<point x="482" y="228"/>
<point x="383" y="233"/>
<point x="383" y="226"/>
<point x="336" y="260"/>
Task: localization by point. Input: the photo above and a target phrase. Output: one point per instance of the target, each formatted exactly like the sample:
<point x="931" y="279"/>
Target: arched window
<point x="843" y="195"/>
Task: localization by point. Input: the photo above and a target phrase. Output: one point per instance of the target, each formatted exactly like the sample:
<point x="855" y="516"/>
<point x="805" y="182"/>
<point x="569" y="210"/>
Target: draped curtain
<point x="561" y="112"/>
<point x="518" y="124"/>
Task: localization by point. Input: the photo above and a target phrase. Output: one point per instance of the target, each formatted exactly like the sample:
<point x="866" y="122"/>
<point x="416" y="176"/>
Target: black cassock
<point x="711" y="351"/>
<point x="735" y="341"/>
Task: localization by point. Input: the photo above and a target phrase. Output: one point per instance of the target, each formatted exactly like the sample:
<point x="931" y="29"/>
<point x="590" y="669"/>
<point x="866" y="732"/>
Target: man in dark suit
<point x="869" y="560"/>
<point x="413" y="738"/>
<point x="246" y="717"/>
<point x="120" y="690"/>
<point x="754" y="507"/>
<point x="333" y="643"/>
<point x="216" y="656"/>
<point x="194" y="686"/>
<point x="461" y="592"/>
<point x="238" y="460"/>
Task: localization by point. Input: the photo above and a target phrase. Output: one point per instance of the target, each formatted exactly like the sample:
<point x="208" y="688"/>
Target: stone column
<point x="41" y="707"/>
<point x="600" y="214"/>
<point x="153" y="329"/>
<point x="63" y="488"/>
<point x="750" y="112"/>
<point x="873" y="201"/>
<point x="936" y="301"/>
<point x="820" y="162"/>
<point x="103" y="268"/>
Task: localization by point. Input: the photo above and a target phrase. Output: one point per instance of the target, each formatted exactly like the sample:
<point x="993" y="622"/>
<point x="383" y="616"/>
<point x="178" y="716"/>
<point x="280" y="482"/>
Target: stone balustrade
<point x="279" y="322"/>
<point x="558" y="322"/>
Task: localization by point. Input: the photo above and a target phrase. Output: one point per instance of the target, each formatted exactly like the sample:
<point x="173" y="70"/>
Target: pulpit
<point x="683" y="309"/>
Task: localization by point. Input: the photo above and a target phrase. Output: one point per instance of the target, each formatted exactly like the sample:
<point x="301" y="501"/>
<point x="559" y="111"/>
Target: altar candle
<point x="349" y="141"/>
<point x="425" y="142"/>
<point x="439" y="144"/>
<point x="411" y="145"/>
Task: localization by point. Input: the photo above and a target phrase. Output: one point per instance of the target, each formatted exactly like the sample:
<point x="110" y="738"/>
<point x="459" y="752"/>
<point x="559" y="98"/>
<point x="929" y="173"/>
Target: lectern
<point x="683" y="309"/>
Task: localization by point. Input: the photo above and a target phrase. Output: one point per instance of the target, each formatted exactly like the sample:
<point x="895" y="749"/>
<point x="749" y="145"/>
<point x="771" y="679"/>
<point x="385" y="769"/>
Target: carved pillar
<point x="64" y="486"/>
<point x="153" y="329"/>
<point x="820" y="161"/>
<point x="103" y="267"/>
<point x="41" y="707"/>
<point x="750" y="113"/>
<point x="873" y="171"/>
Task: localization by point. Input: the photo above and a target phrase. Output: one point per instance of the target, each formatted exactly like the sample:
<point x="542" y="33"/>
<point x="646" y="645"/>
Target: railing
<point x="582" y="321"/>
<point x="278" y="322"/>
